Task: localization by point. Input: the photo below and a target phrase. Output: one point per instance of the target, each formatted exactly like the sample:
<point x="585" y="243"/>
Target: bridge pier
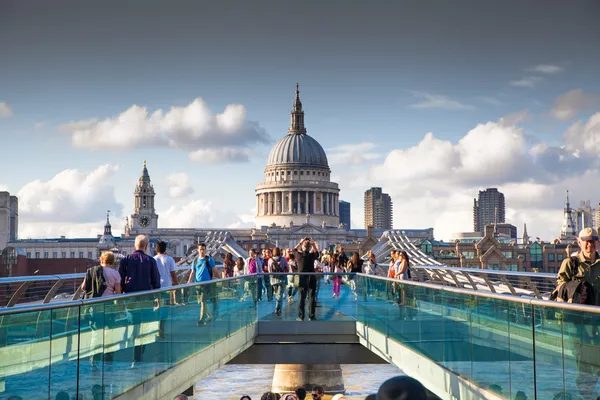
<point x="288" y="377"/>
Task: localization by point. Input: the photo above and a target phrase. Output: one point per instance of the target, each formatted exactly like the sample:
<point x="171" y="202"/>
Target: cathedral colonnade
<point x="297" y="202"/>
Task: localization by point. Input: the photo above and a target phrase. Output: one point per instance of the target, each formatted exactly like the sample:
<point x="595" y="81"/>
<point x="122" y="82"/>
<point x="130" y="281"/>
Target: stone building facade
<point x="297" y="180"/>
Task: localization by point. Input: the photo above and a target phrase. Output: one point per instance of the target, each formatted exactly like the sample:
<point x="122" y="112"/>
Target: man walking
<point x="203" y="271"/>
<point x="166" y="268"/>
<point x="306" y="253"/>
<point x="138" y="273"/>
<point x="585" y="266"/>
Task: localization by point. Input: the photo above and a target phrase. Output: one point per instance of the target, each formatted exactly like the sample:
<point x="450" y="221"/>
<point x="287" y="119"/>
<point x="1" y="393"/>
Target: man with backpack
<point x="278" y="264"/>
<point x="138" y="273"/>
<point x="585" y="268"/>
<point x="202" y="270"/>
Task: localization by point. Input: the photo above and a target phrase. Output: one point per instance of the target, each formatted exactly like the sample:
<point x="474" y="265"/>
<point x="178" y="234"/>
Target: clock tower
<point x="144" y="219"/>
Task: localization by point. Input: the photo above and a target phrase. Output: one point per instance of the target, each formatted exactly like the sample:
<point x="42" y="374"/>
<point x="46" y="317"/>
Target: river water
<point x="230" y="382"/>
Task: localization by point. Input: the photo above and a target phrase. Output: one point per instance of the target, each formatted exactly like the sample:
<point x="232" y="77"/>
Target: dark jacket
<point x="139" y="272"/>
<point x="306" y="260"/>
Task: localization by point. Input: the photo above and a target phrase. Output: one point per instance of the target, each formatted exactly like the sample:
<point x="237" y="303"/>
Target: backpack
<point x="95" y="282"/>
<point x="277" y="266"/>
<point x="575" y="291"/>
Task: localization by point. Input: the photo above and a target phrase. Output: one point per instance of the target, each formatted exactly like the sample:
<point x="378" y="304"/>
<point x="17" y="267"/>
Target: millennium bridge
<point x="464" y="333"/>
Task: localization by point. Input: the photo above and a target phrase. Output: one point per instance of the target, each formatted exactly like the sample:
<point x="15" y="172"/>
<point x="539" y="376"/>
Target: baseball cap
<point x="588" y="234"/>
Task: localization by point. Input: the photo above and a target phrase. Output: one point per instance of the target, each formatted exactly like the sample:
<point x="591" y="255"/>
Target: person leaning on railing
<point x="585" y="266"/>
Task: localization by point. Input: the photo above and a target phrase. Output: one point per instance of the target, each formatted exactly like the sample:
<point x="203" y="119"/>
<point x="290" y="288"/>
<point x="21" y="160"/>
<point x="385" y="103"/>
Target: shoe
<point x="278" y="312"/>
<point x="312" y="318"/>
<point x="133" y="366"/>
<point x="201" y="322"/>
<point x="299" y="319"/>
<point x="333" y="297"/>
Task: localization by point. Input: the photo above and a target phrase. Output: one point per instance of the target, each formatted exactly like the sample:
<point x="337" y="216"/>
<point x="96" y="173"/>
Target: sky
<point x="432" y="101"/>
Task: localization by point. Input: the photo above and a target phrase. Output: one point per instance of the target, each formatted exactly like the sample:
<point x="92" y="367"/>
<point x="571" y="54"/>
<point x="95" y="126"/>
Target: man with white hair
<point x="138" y="273"/>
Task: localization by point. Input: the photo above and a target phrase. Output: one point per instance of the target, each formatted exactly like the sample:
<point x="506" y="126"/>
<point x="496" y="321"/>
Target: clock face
<point x="144" y="221"/>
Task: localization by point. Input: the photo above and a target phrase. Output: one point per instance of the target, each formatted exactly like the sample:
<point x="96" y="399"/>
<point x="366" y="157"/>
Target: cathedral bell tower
<point x="144" y="219"/>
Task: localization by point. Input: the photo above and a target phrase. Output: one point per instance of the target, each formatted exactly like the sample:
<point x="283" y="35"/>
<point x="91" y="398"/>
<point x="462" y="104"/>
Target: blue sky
<point x="374" y="80"/>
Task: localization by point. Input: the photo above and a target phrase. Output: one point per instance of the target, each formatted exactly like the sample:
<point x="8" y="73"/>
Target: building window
<point x="72" y="254"/>
<point x="37" y="254"/>
<point x="314" y="173"/>
<point x="90" y="255"/>
<point x="28" y="254"/>
<point x="64" y="254"/>
<point x="295" y="172"/>
<point x="535" y="251"/>
<point x="468" y="254"/>
<point x="550" y="256"/>
<point x="560" y="257"/>
<point x="493" y="266"/>
<point x="508" y="254"/>
<point x="81" y="254"/>
<point x="45" y="254"/>
<point x="512" y="267"/>
<point x="301" y="172"/>
<point x="289" y="172"/>
<point x="54" y="254"/>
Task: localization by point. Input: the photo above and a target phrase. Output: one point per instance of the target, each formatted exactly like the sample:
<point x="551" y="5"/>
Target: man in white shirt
<point x="166" y="269"/>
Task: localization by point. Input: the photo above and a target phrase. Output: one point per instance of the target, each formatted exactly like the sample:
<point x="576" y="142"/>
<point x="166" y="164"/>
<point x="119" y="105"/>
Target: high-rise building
<point x="488" y="208"/>
<point x="345" y="214"/>
<point x="9" y="218"/>
<point x="378" y="209"/>
<point x="585" y="216"/>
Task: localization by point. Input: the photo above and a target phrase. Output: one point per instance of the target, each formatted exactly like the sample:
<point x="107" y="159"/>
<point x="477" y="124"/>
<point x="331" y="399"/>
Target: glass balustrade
<point x="102" y="347"/>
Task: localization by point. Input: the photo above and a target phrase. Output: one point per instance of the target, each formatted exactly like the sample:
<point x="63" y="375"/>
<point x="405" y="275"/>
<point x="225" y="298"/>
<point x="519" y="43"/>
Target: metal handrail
<point x="516" y="299"/>
<point x="487" y="271"/>
<point x="81" y="302"/>
<point x="509" y="298"/>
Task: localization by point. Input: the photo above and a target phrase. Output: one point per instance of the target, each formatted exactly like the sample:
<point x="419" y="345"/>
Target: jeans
<point x="268" y="289"/>
<point x="279" y="290"/>
<point x="308" y="287"/>
<point x="259" y="288"/>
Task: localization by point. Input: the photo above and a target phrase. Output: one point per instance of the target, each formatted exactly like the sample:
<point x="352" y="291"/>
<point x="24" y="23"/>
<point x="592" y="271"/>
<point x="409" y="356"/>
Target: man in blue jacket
<point x="138" y="273"/>
<point x="203" y="269"/>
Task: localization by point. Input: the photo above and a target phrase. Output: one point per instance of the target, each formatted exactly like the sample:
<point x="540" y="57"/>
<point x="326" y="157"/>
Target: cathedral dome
<point x="298" y="149"/>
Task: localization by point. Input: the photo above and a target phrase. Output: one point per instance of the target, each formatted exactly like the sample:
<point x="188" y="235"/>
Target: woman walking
<point x="353" y="267"/>
<point x="369" y="268"/>
<point x="228" y="265"/>
<point x="277" y="264"/>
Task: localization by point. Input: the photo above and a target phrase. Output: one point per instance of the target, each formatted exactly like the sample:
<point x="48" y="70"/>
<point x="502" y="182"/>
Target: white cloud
<point x="568" y="105"/>
<point x="33" y="229"/>
<point x="528" y="82"/>
<point x="584" y="137"/>
<point x="179" y="185"/>
<point x="39" y="125"/>
<point x="5" y="110"/>
<point x="546" y="69"/>
<point x="201" y="214"/>
<point x="433" y="183"/>
<point x="219" y="155"/>
<point x="3" y="188"/>
<point x="437" y="101"/>
<point x="71" y="196"/>
<point x="352" y="154"/>
<point x="191" y="128"/>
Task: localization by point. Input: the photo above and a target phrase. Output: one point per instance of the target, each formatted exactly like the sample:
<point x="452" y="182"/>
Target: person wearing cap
<point x="585" y="266"/>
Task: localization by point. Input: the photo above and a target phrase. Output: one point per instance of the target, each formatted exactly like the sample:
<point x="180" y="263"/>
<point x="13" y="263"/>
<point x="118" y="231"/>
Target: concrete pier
<point x="289" y="377"/>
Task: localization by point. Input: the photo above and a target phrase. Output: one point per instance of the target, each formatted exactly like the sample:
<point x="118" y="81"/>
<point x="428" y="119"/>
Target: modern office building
<point x="345" y="214"/>
<point x="9" y="218"/>
<point x="488" y="208"/>
<point x="378" y="209"/>
<point x="585" y="216"/>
